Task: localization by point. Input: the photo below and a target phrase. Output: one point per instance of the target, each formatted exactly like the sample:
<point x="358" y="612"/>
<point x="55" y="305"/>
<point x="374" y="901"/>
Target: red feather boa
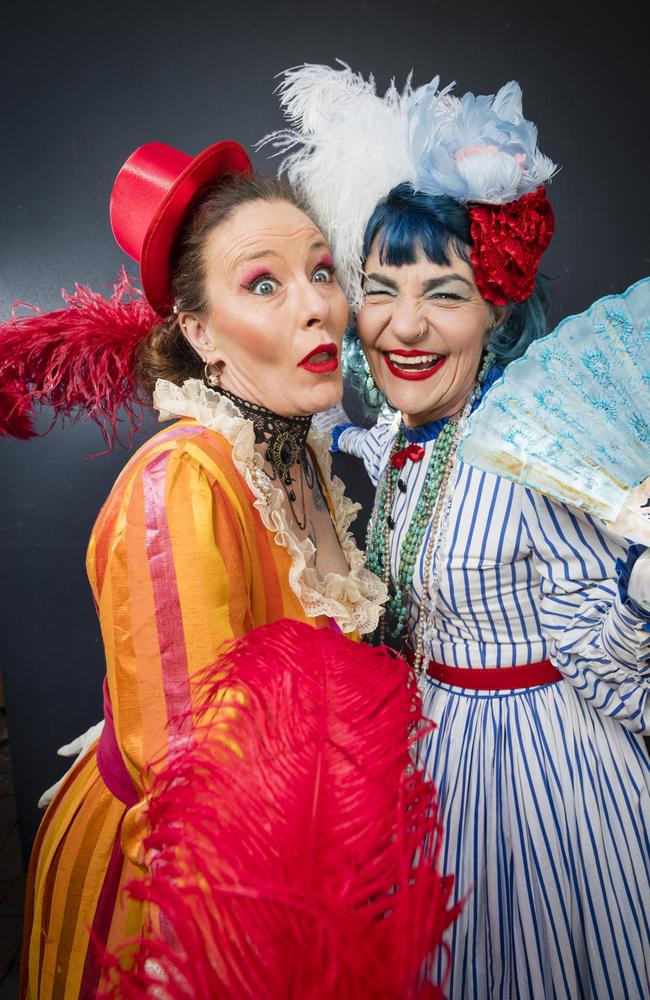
<point x="293" y="848"/>
<point x="78" y="360"/>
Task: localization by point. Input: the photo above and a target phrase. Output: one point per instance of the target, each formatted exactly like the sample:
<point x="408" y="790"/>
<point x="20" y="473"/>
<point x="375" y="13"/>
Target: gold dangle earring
<point x="212" y="375"/>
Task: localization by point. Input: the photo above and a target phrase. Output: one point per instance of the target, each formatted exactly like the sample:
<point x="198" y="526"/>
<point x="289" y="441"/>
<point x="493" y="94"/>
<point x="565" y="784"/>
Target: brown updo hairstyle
<point x="165" y="353"/>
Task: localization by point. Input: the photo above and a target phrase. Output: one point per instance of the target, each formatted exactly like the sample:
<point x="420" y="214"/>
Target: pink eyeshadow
<point x="249" y="277"/>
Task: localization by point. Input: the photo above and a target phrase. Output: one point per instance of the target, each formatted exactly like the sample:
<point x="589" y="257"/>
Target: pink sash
<point x="110" y="761"/>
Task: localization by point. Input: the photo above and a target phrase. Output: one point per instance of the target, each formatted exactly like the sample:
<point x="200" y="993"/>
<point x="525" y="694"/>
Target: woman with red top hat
<point x="226" y="520"/>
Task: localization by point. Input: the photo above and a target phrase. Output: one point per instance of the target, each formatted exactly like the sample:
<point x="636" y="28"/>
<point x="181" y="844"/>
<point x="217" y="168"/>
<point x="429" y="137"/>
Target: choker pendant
<point x="285" y="440"/>
<point x="284" y="450"/>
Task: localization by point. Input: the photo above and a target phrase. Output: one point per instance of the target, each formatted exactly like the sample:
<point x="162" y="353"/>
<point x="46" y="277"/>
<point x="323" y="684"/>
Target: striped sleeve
<point x="173" y="584"/>
<point x="370" y="445"/>
<point x="599" y="641"/>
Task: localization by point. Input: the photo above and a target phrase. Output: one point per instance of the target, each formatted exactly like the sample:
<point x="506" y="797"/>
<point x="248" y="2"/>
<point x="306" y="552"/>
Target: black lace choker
<point x="286" y="443"/>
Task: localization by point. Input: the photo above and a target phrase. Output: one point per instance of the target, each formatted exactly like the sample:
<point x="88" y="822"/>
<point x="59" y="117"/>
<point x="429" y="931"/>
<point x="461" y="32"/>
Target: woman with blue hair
<point x="528" y="622"/>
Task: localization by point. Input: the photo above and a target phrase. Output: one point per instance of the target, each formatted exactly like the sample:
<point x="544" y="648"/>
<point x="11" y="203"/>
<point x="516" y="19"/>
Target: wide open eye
<point x="323" y="275"/>
<point x="264" y="285"/>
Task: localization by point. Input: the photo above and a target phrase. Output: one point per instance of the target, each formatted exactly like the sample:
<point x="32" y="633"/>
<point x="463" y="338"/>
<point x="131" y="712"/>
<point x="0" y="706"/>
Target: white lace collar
<point x="353" y="601"/>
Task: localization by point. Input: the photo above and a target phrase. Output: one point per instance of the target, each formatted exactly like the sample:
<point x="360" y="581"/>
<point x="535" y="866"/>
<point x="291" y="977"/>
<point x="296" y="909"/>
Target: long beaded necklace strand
<point x="435" y="545"/>
<point x="382" y="523"/>
<point x="286" y="446"/>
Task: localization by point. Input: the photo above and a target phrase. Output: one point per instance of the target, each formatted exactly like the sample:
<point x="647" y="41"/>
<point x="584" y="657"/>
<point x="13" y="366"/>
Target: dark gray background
<point x="81" y="87"/>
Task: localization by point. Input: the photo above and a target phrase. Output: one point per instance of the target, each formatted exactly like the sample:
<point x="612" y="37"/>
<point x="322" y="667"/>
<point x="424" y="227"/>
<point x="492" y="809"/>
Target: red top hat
<point x="151" y="197"/>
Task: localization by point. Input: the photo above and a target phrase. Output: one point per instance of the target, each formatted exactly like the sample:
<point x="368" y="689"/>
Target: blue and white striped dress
<point x="545" y="791"/>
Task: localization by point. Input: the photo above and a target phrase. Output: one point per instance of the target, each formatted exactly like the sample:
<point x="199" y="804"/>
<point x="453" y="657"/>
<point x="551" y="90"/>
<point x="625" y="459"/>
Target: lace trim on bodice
<point x="353" y="601"/>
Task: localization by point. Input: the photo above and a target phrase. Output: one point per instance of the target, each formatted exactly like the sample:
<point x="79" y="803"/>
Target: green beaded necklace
<point x="381" y="522"/>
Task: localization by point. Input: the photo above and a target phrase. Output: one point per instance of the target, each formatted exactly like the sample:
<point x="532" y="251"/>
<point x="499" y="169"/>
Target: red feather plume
<point x="79" y="360"/>
<point x="15" y="409"/>
<point x="294" y="846"/>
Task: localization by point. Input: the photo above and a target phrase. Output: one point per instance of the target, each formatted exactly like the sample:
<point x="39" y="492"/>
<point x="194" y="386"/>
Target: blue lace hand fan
<point x="571" y="418"/>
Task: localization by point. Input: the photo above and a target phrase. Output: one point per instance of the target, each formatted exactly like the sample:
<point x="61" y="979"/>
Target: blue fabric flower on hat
<point x="478" y="148"/>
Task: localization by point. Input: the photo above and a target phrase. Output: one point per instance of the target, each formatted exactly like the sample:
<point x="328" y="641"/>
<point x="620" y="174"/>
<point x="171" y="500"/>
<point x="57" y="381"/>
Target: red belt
<point x="493" y="678"/>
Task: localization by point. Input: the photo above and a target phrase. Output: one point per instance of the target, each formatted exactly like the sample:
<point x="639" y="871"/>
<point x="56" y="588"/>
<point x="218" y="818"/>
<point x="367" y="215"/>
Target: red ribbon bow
<point x="413" y="451"/>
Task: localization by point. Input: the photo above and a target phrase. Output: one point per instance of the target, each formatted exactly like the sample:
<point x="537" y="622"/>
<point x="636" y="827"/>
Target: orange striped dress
<point x="191" y="549"/>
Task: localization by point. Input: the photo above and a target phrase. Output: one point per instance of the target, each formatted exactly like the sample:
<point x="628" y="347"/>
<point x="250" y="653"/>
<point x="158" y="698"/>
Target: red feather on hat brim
<point x="79" y="360"/>
<point x="293" y="845"/>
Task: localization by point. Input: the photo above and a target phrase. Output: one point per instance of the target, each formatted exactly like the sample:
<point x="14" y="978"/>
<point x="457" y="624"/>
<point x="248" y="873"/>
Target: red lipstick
<point x="327" y="355"/>
<point x="416" y="374"/>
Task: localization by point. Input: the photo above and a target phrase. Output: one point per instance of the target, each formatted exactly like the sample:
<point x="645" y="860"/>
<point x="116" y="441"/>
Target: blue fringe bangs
<point x="407" y="221"/>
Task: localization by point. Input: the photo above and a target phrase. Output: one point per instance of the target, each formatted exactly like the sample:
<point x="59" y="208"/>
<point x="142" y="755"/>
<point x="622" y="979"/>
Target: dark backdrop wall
<point x="81" y="86"/>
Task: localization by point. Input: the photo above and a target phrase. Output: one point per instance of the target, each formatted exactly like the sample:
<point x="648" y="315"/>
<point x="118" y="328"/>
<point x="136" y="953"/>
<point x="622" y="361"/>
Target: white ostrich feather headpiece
<point x="346" y="148"/>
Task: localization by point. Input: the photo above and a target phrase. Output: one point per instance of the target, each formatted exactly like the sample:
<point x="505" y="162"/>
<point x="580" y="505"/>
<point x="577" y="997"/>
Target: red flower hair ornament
<point x="508" y="242"/>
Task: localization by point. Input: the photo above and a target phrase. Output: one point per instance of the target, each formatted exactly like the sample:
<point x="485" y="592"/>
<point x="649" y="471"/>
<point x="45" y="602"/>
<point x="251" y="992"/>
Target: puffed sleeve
<point x="172" y="577"/>
<point x="598" y="638"/>
<point x="371" y="445"/>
